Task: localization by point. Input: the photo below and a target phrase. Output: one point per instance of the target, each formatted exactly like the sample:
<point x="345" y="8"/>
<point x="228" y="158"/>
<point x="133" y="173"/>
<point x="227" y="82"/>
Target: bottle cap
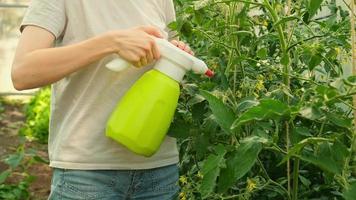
<point x="209" y="73"/>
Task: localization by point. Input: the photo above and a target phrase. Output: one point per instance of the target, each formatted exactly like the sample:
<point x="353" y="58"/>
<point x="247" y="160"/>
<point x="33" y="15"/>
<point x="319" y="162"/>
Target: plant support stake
<point x="353" y="41"/>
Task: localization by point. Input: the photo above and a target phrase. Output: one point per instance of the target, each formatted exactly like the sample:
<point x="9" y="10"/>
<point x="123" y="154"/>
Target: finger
<point x="181" y="45"/>
<point x="155" y="51"/>
<point x="144" y="61"/>
<point x="137" y="64"/>
<point x="150" y="57"/>
<point x="134" y="59"/>
<point x="151" y="30"/>
<point x="188" y="49"/>
<point x="175" y="43"/>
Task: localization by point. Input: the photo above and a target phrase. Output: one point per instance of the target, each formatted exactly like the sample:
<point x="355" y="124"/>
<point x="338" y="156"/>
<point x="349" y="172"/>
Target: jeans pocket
<point x="157" y="184"/>
<point x="165" y="179"/>
<point x="82" y="184"/>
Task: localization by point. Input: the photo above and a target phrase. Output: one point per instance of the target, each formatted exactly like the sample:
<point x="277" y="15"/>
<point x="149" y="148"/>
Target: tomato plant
<point x="276" y="120"/>
<point x="37" y="117"/>
<point x="16" y="179"/>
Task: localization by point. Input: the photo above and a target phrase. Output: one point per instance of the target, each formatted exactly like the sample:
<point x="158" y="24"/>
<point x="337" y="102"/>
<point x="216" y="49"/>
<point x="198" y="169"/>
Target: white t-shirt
<point x="82" y="102"/>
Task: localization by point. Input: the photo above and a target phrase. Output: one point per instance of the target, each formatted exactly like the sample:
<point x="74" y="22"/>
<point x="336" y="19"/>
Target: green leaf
<point x="313" y="7"/>
<point x="329" y="157"/>
<point x="198" y="111"/>
<point x="351" y="81"/>
<point x="4" y="175"/>
<point x="297" y="148"/>
<point x="262" y="53"/>
<point x="302" y="131"/>
<point x="247" y="103"/>
<point x="201" y="145"/>
<point x="201" y="4"/>
<point x="350" y="192"/>
<point x="173" y="25"/>
<point x="240" y="162"/>
<point x="306" y="182"/>
<point x="339" y="120"/>
<point x="14" y="160"/>
<point x="311" y="113"/>
<point x="223" y="114"/>
<point x="179" y="129"/>
<point x="267" y="109"/>
<point x="208" y="183"/>
<point x="40" y="159"/>
<point x="315" y="60"/>
<point x="327" y="92"/>
<point x="211" y="170"/>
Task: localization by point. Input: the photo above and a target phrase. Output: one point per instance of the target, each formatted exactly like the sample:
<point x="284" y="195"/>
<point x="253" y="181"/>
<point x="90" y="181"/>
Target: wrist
<point x="112" y="41"/>
<point x="97" y="47"/>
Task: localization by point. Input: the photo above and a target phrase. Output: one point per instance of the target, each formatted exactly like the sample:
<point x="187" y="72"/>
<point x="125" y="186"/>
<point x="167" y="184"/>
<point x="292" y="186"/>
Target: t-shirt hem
<point x="110" y="166"/>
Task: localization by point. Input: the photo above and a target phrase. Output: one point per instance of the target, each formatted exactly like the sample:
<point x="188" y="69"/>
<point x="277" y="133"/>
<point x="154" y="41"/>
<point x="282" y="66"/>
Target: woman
<point x="67" y="43"/>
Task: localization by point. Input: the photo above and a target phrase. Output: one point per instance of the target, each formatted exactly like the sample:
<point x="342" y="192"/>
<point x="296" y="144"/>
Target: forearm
<point x="46" y="66"/>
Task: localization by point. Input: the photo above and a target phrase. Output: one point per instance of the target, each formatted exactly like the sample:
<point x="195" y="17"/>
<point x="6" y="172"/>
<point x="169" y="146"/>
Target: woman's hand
<point x="137" y="45"/>
<point x="183" y="46"/>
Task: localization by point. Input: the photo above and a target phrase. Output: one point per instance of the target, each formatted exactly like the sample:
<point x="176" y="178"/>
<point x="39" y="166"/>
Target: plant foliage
<point x="276" y="120"/>
<point x="37" y="113"/>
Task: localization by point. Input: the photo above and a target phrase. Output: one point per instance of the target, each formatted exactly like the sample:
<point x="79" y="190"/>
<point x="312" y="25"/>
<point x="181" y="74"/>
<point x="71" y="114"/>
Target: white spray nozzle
<point x="200" y="67"/>
<point x="174" y="62"/>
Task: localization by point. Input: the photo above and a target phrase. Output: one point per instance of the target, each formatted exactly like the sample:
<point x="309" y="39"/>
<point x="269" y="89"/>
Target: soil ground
<point x="11" y="121"/>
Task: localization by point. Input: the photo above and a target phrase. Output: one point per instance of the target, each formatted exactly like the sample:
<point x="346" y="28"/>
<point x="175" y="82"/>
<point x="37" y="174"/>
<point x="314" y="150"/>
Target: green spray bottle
<point x="142" y="118"/>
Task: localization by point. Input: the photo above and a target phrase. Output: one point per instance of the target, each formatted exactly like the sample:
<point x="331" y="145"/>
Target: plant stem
<point x="353" y="40"/>
<point x="288" y="161"/>
<point x="277" y="149"/>
<point x="279" y="28"/>
<point x="234" y="42"/>
<point x="276" y="133"/>
<point x="269" y="178"/>
<point x="295" y="178"/>
<point x="321" y="128"/>
<point x="241" y="1"/>
<point x="228" y="47"/>
<point x="305" y="40"/>
<point x="286" y="76"/>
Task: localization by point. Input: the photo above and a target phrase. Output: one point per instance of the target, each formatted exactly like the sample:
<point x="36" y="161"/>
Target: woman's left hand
<point x="185" y="47"/>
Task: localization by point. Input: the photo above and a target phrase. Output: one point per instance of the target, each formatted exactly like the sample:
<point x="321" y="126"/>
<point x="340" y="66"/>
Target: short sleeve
<point x="170" y="17"/>
<point x="47" y="14"/>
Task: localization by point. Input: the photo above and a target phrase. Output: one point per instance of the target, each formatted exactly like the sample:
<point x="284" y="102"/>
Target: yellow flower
<point x="238" y="94"/>
<point x="183" y="180"/>
<point x="260" y="83"/>
<point x="182" y="196"/>
<point x="200" y="175"/>
<point x="251" y="185"/>
<point x="265" y="23"/>
<point x="278" y="7"/>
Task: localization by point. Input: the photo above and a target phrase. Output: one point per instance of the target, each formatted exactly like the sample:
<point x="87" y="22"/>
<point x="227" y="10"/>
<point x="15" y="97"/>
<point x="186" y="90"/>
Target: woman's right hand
<point x="137" y="45"/>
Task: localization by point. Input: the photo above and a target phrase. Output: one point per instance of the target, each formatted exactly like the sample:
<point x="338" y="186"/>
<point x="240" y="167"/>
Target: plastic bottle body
<point x="141" y="119"/>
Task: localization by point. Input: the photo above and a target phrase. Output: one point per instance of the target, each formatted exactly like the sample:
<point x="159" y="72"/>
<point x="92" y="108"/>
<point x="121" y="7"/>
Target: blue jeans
<point x="149" y="184"/>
